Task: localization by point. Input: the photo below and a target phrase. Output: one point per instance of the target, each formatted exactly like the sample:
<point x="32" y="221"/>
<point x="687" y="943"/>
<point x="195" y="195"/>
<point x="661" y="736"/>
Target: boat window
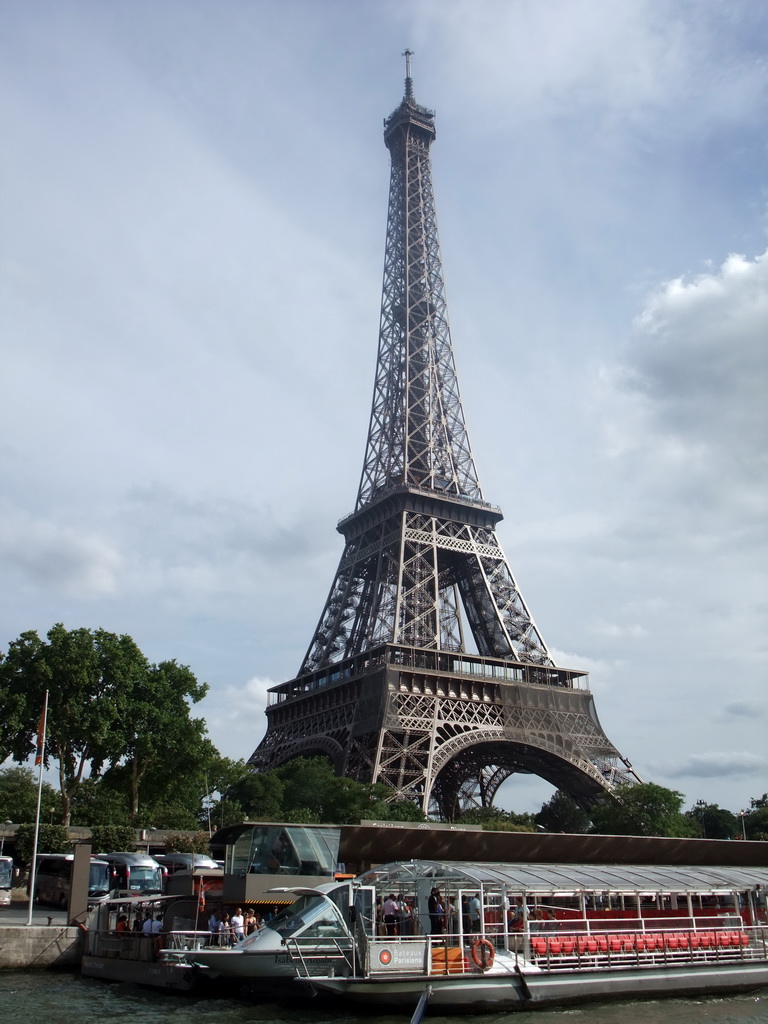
<point x="306" y="911"/>
<point x="324" y="922"/>
<point x="286" y="850"/>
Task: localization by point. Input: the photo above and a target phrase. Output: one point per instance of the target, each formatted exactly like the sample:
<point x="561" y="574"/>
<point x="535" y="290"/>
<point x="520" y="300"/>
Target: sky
<point x="193" y="197"/>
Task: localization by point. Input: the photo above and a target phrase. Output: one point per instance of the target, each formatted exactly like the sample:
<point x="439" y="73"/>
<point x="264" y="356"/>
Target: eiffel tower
<point x="389" y="689"/>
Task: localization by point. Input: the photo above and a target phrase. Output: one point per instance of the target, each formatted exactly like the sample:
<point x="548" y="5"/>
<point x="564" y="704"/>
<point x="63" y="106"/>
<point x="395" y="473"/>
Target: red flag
<point x="40" y="739"/>
<point x="202" y="895"/>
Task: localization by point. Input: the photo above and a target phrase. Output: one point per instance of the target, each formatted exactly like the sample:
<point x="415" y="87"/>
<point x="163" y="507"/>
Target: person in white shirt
<point x="238" y="925"/>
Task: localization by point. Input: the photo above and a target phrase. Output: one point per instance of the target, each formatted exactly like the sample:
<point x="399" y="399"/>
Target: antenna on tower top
<point x="408" y="83"/>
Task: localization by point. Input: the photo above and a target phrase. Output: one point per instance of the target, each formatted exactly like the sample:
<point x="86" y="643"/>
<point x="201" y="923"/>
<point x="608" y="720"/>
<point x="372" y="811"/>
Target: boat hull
<point x="168" y="977"/>
<point x="489" y="992"/>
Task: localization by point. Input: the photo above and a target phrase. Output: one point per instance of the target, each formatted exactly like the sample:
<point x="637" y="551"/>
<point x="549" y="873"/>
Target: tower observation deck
<point x="426" y="671"/>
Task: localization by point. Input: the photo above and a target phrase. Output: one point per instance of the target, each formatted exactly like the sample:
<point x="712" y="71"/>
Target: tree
<point x="642" y="810"/>
<point x="107" y="706"/>
<point x="157" y="734"/>
<point x="96" y="803"/>
<point x="85" y="672"/>
<point x="496" y="819"/>
<point x="112" y="838"/>
<point x="756" y="819"/>
<point x="561" y="813"/>
<point x="18" y="795"/>
<point x="397" y="810"/>
<point x="51" y="839"/>
<point x="178" y="842"/>
<point x="260" y="795"/>
<point x="713" y="822"/>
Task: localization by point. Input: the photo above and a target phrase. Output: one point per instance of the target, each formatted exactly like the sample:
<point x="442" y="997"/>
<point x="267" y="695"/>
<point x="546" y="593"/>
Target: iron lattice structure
<point x="388" y="688"/>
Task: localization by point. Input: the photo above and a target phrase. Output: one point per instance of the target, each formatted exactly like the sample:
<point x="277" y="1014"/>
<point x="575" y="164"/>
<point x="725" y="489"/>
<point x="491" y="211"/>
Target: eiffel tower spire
<point x="422" y="571"/>
<point x="421" y="542"/>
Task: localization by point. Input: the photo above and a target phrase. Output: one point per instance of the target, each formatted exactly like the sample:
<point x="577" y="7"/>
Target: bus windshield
<point x="145" y="879"/>
<point x="6" y="872"/>
<point x="99" y="878"/>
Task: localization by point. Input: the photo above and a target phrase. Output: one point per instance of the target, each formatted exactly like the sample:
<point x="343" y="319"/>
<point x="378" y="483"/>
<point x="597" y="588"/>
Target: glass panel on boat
<point x="286" y="849"/>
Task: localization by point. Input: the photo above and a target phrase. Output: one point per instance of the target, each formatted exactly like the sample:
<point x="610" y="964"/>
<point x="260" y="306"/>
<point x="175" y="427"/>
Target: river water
<point x="30" y="997"/>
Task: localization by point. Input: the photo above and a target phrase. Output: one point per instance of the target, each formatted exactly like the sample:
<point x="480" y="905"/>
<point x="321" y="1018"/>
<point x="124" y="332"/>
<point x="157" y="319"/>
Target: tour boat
<point x="522" y="936"/>
<point x="262" y="960"/>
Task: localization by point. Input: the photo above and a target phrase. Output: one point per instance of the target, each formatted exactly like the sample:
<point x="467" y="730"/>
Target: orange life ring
<point x="483" y="954"/>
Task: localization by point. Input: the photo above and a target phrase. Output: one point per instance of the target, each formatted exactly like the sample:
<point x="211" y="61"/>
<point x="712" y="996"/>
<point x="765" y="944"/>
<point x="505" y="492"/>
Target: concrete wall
<point x="36" y="946"/>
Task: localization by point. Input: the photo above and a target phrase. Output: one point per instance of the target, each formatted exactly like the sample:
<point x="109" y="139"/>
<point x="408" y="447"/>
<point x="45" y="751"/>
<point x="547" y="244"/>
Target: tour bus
<point x="6" y="880"/>
<point x="135" y="873"/>
<point x="174" y="862"/>
<point x="53" y="876"/>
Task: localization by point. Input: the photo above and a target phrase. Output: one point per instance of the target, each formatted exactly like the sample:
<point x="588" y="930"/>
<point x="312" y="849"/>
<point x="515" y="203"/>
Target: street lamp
<point x="701" y="806"/>
<point x="742" y="815"/>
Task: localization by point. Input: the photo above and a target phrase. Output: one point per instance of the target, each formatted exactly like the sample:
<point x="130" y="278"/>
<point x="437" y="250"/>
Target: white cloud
<point x="74" y="562"/>
<point x="235" y="716"/>
<point x="717" y="764"/>
<point x="753" y="709"/>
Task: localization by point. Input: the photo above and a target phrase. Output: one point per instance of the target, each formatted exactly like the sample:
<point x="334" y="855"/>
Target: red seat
<point x="615" y="943"/>
<point x="569" y="945"/>
<point x="539" y="946"/>
<point x="602" y="943"/>
<point x="555" y="947"/>
<point x="743" y="938"/>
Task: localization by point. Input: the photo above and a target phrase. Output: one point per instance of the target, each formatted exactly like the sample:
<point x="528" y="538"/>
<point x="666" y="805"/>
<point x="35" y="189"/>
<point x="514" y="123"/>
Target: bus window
<point x="6" y="880"/>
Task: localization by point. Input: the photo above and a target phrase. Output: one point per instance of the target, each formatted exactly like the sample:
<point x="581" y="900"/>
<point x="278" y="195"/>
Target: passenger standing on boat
<point x="475" y="909"/>
<point x="225" y="931"/>
<point x="238" y="925"/>
<point x="122" y="923"/>
<point x="405" y="920"/>
<point x="213" y="927"/>
<point x="391" y="914"/>
<point x="436" y="912"/>
<point x="153" y="926"/>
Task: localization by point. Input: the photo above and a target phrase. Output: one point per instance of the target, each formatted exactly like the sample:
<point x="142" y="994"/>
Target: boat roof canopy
<point x="572" y="878"/>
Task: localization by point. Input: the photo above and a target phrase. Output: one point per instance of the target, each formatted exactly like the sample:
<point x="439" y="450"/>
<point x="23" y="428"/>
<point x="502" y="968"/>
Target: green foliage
<point x="52" y="839"/>
<point x="495" y="819"/>
<point x="107" y="706"/>
<point x="177" y="842"/>
<point x="158" y="735"/>
<point x="312" y="788"/>
<point x="111" y="838"/>
<point x="397" y="810"/>
<point x="642" y="810"/>
<point x="561" y="813"/>
<point x="713" y="822"/>
<point x="18" y="796"/>
<point x="756" y="819"/>
<point x="307" y="791"/>
<point x="86" y="673"/>
<point x="96" y="803"/>
<point x="260" y="795"/>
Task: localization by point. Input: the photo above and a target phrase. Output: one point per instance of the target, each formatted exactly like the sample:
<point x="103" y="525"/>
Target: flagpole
<point x="39" y="758"/>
